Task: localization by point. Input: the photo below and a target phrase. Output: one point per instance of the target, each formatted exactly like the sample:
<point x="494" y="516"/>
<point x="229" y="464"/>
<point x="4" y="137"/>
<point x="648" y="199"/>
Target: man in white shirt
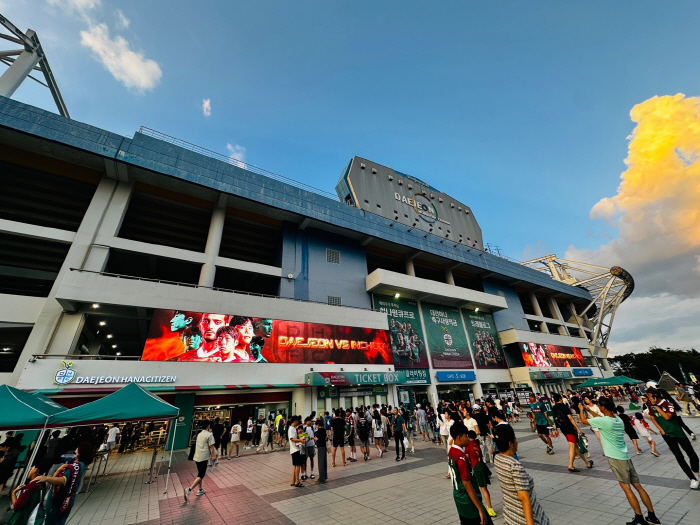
<point x="295" y="445"/>
<point x="203" y="452"/>
<point x="235" y="438"/>
<point x="112" y="437"/>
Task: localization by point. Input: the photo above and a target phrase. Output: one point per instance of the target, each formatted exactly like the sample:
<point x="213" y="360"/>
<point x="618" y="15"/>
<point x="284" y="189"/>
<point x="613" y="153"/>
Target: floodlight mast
<point x="608" y="286"/>
<point x="30" y="58"/>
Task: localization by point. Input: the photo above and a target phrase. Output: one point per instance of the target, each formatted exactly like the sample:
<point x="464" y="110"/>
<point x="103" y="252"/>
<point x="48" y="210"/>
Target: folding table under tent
<point x="131" y="403"/>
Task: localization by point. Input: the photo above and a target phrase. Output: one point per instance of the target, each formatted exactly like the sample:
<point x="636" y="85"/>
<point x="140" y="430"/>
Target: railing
<point x="235" y="162"/>
<point x="216" y="289"/>
<point x="97" y="357"/>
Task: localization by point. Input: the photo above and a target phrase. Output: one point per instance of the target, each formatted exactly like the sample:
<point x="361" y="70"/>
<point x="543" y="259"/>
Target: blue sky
<point x="518" y="109"/>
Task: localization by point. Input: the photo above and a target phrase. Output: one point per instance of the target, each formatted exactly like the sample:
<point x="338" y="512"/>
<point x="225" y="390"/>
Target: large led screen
<point x="551" y="355"/>
<point x="484" y="339"/>
<point x="221" y="338"/>
<point x="446" y="339"/>
<point x="405" y="333"/>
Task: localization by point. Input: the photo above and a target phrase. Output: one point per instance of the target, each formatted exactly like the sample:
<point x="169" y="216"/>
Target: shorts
<point x="624" y="470"/>
<point x="298" y="460"/>
<point x="632" y="433"/>
<point x="201" y="468"/>
<point x="351" y="440"/>
<point x="480" y="477"/>
<point x="424" y="427"/>
<point x="542" y="429"/>
<point x="571" y="438"/>
<point x="111" y="445"/>
<point x="311" y="452"/>
<point x="338" y="441"/>
<point x="474" y="521"/>
<point x="364" y="443"/>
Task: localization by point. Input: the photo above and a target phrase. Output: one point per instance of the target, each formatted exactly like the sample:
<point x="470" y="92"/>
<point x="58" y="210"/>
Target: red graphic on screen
<point x="551" y="355"/>
<point x="220" y="338"/>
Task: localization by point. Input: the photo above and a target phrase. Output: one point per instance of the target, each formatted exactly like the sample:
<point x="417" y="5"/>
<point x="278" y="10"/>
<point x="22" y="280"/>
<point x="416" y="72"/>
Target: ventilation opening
<point x="332" y="256"/>
<point x="12" y="341"/>
<point x="334" y="301"/>
<point x="241" y="281"/>
<point x="149" y="266"/>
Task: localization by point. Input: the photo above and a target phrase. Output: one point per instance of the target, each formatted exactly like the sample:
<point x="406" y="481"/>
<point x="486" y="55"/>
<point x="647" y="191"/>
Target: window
<point x="334" y="301"/>
<point x="332" y="256"/>
<point x="526" y="303"/>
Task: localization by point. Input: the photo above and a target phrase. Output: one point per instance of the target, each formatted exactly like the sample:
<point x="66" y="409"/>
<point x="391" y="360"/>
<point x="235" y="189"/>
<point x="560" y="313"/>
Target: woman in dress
<point x="520" y="505"/>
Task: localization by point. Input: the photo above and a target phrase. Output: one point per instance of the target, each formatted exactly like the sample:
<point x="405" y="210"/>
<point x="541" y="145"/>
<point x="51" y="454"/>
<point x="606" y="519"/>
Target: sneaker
<point x="651" y="518"/>
<point x="303" y="477"/>
<point x="694" y="484"/>
<point x="638" y="453"/>
<point x="187" y="494"/>
<point x="381" y="452"/>
<point x="692" y="436"/>
<point x="312" y="476"/>
<point x="403" y="457"/>
<point x="638" y="520"/>
<point x="550" y="451"/>
<point x="201" y="492"/>
<point x="491" y="512"/>
<point x="398" y="458"/>
<point x="364" y="456"/>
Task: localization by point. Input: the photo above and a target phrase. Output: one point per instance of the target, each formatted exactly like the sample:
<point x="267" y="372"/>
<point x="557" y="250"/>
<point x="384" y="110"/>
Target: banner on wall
<point x="446" y="340"/>
<point x="405" y="332"/>
<point x="221" y="338"/>
<point x="484" y="339"/>
<point x="551" y="355"/>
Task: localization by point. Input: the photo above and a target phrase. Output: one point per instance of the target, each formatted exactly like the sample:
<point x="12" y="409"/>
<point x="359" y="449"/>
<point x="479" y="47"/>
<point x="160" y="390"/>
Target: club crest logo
<point x="66" y="374"/>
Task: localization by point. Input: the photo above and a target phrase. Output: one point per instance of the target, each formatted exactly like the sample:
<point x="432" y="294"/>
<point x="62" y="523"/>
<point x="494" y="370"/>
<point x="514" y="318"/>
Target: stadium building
<point x="233" y="291"/>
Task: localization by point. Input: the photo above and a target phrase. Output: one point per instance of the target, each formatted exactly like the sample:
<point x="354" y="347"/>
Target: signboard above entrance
<point x="463" y="375"/>
<point x="550" y="374"/>
<point x="398" y="377"/>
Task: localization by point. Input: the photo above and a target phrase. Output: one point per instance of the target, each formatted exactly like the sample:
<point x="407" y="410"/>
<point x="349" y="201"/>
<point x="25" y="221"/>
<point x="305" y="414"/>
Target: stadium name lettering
<point x="554" y="355"/>
<point x="96" y="380"/>
<point x="314" y="342"/>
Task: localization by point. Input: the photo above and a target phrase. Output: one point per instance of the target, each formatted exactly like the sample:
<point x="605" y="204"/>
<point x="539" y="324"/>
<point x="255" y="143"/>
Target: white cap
<point x="417" y="405"/>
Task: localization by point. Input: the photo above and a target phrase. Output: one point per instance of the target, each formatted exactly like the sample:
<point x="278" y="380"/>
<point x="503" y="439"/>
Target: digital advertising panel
<point x="446" y="340"/>
<point x="405" y="332"/>
<point x="551" y="355"/>
<point x="221" y="338"/>
<point x="484" y="340"/>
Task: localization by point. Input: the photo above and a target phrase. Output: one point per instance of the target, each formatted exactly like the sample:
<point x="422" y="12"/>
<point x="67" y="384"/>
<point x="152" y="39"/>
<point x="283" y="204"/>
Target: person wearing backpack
<point x="363" y="432"/>
<point x="564" y="421"/>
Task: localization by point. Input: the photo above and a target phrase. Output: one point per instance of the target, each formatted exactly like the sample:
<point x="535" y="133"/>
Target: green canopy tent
<point x="131" y="403"/>
<point x="24" y="411"/>
<point x="608" y="381"/>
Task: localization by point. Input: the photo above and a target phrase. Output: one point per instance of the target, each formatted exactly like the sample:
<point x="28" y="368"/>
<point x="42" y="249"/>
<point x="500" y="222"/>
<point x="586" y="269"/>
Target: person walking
<point x="249" y="431"/>
<point x="629" y="429"/>
<point x="399" y="430"/>
<point x="350" y="434"/>
<point x="320" y="438"/>
<point x="235" y="438"/>
<point x="542" y="422"/>
<point x="642" y="428"/>
<point x="612" y="436"/>
<point x="338" y="429"/>
<point x="217" y="431"/>
<point x="225" y="439"/>
<point x="421" y="418"/>
<point x="65" y="483"/>
<point x="410" y="428"/>
<point x="378" y="432"/>
<point x="684" y="399"/>
<point x="566" y="424"/>
<point x="480" y="471"/>
<point x="520" y="505"/>
<point x="264" y="436"/>
<point x="203" y="452"/>
<point x="111" y="439"/>
<point x="663" y="414"/>
<point x="445" y="423"/>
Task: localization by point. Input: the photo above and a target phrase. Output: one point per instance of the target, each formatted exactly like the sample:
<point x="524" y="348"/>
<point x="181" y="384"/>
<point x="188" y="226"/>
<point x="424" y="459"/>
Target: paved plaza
<point x="254" y="489"/>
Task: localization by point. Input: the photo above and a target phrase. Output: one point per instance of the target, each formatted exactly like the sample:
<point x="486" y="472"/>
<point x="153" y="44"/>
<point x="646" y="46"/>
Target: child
<point x="27" y="500"/>
<point x="642" y="428"/>
<point x="629" y="429"/>
<point x="467" y="499"/>
<point x="479" y="470"/>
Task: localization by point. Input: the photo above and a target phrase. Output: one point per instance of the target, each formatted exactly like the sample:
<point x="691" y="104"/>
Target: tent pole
<point x="28" y="465"/>
<point x="172" y="448"/>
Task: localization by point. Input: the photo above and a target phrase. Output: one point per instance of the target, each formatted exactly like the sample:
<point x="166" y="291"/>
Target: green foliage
<point x="643" y="365"/>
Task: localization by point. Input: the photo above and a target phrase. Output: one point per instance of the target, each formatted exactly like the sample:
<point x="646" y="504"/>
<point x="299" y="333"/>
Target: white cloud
<point x="235" y="152"/>
<point x="129" y="67"/>
<point x="122" y="21"/>
<point x="206" y="109"/>
<point x="79" y="5"/>
<point x="656" y="211"/>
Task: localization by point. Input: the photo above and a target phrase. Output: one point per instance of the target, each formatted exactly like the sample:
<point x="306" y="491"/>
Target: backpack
<point x="363" y="429"/>
<point x="559" y="419"/>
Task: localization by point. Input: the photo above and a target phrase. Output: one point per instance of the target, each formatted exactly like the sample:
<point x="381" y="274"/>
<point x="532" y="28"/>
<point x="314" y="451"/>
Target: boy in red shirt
<point x="479" y="470"/>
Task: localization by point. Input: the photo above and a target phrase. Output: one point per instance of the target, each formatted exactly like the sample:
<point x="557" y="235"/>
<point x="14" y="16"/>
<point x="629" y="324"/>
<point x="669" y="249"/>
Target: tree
<point x="643" y="365"/>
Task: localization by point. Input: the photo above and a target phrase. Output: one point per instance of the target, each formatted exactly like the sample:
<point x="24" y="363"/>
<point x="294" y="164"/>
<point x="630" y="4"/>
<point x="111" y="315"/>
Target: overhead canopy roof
<point x="131" y="403"/>
<point x="24" y="411"/>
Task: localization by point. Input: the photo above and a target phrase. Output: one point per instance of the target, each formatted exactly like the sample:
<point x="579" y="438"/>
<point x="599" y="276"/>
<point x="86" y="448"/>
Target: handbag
<point x="405" y="442"/>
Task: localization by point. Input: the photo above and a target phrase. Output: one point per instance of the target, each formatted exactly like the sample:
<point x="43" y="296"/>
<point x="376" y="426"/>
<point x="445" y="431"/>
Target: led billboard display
<point x="405" y="333"/>
<point x="484" y="339"/>
<point x="551" y="355"/>
<point x="446" y="340"/>
<point x="222" y="338"/>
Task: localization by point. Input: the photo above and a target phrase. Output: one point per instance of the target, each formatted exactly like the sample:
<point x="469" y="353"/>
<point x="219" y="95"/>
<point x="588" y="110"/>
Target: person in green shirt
<point x="612" y="437"/>
<point x="664" y="414"/>
<point x="464" y="488"/>
<point x="542" y="422"/>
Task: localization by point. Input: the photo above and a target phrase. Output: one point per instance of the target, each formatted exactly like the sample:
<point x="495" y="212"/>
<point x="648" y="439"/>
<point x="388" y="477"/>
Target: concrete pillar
<point x="604" y="363"/>
<point x="449" y="277"/>
<point x="538" y="312"/>
<point x="433" y="395"/>
<point x="48" y="320"/>
<point x="478" y="392"/>
<point x="329" y="405"/>
<point x="378" y="400"/>
<point x="216" y="230"/>
<point x="366" y="400"/>
<point x="355" y="401"/>
<point x="66" y="336"/>
<point x="298" y="399"/>
<point x="410" y="269"/>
